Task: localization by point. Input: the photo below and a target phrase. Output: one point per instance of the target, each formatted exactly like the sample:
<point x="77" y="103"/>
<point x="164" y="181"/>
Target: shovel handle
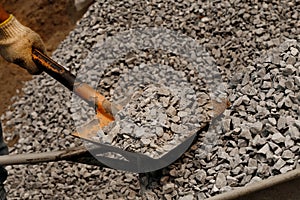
<point x="83" y="90"/>
<point x="54" y="69"/>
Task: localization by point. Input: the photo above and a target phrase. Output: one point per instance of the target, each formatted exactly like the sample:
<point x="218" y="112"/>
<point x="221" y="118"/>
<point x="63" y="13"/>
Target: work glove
<point x="17" y="42"/>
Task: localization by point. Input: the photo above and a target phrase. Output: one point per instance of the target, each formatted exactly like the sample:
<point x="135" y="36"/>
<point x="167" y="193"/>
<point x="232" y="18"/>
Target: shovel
<point x="133" y="162"/>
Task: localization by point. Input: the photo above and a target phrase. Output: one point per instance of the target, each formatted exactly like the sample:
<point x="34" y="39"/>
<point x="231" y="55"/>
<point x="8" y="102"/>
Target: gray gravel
<point x="256" y="48"/>
<point x="161" y="108"/>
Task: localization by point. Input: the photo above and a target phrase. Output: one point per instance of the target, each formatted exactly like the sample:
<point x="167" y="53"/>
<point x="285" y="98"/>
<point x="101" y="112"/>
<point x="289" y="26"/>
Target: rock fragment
<point x="221" y="180"/>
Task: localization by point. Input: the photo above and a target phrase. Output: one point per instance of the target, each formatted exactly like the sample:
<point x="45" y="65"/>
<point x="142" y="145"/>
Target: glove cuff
<point x="10" y="28"/>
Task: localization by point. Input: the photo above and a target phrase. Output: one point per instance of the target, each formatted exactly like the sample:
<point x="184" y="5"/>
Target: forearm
<point x="3" y="14"/>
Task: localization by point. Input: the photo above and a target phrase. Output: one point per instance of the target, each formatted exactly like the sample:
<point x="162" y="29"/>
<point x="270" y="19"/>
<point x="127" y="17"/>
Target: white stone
<point x="279" y="164"/>
<point x="221" y="180"/>
<point x="278" y="137"/>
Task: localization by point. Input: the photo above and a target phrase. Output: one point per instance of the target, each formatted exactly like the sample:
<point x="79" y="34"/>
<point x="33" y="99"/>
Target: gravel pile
<point x="255" y="47"/>
<point x="153" y="122"/>
<point x="161" y="108"/>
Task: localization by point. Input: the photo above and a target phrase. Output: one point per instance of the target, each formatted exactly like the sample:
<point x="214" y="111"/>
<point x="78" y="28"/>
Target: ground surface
<point x="53" y="20"/>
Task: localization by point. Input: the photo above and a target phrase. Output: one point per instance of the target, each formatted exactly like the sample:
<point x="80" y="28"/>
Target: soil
<point x="53" y="20"/>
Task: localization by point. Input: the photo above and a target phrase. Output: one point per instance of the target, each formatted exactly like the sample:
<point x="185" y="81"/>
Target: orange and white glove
<point x="17" y="42"/>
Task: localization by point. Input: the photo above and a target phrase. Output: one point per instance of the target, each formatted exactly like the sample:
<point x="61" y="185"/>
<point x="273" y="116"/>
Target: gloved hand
<point x="16" y="43"/>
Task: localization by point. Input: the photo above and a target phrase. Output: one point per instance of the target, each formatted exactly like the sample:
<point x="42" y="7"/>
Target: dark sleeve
<point x="3" y="147"/>
<point x="3" y="151"/>
<point x="2" y="192"/>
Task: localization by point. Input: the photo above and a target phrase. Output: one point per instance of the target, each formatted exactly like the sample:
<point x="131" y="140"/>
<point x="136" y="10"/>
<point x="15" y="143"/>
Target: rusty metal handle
<point x="83" y="90"/>
<point x="54" y="69"/>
